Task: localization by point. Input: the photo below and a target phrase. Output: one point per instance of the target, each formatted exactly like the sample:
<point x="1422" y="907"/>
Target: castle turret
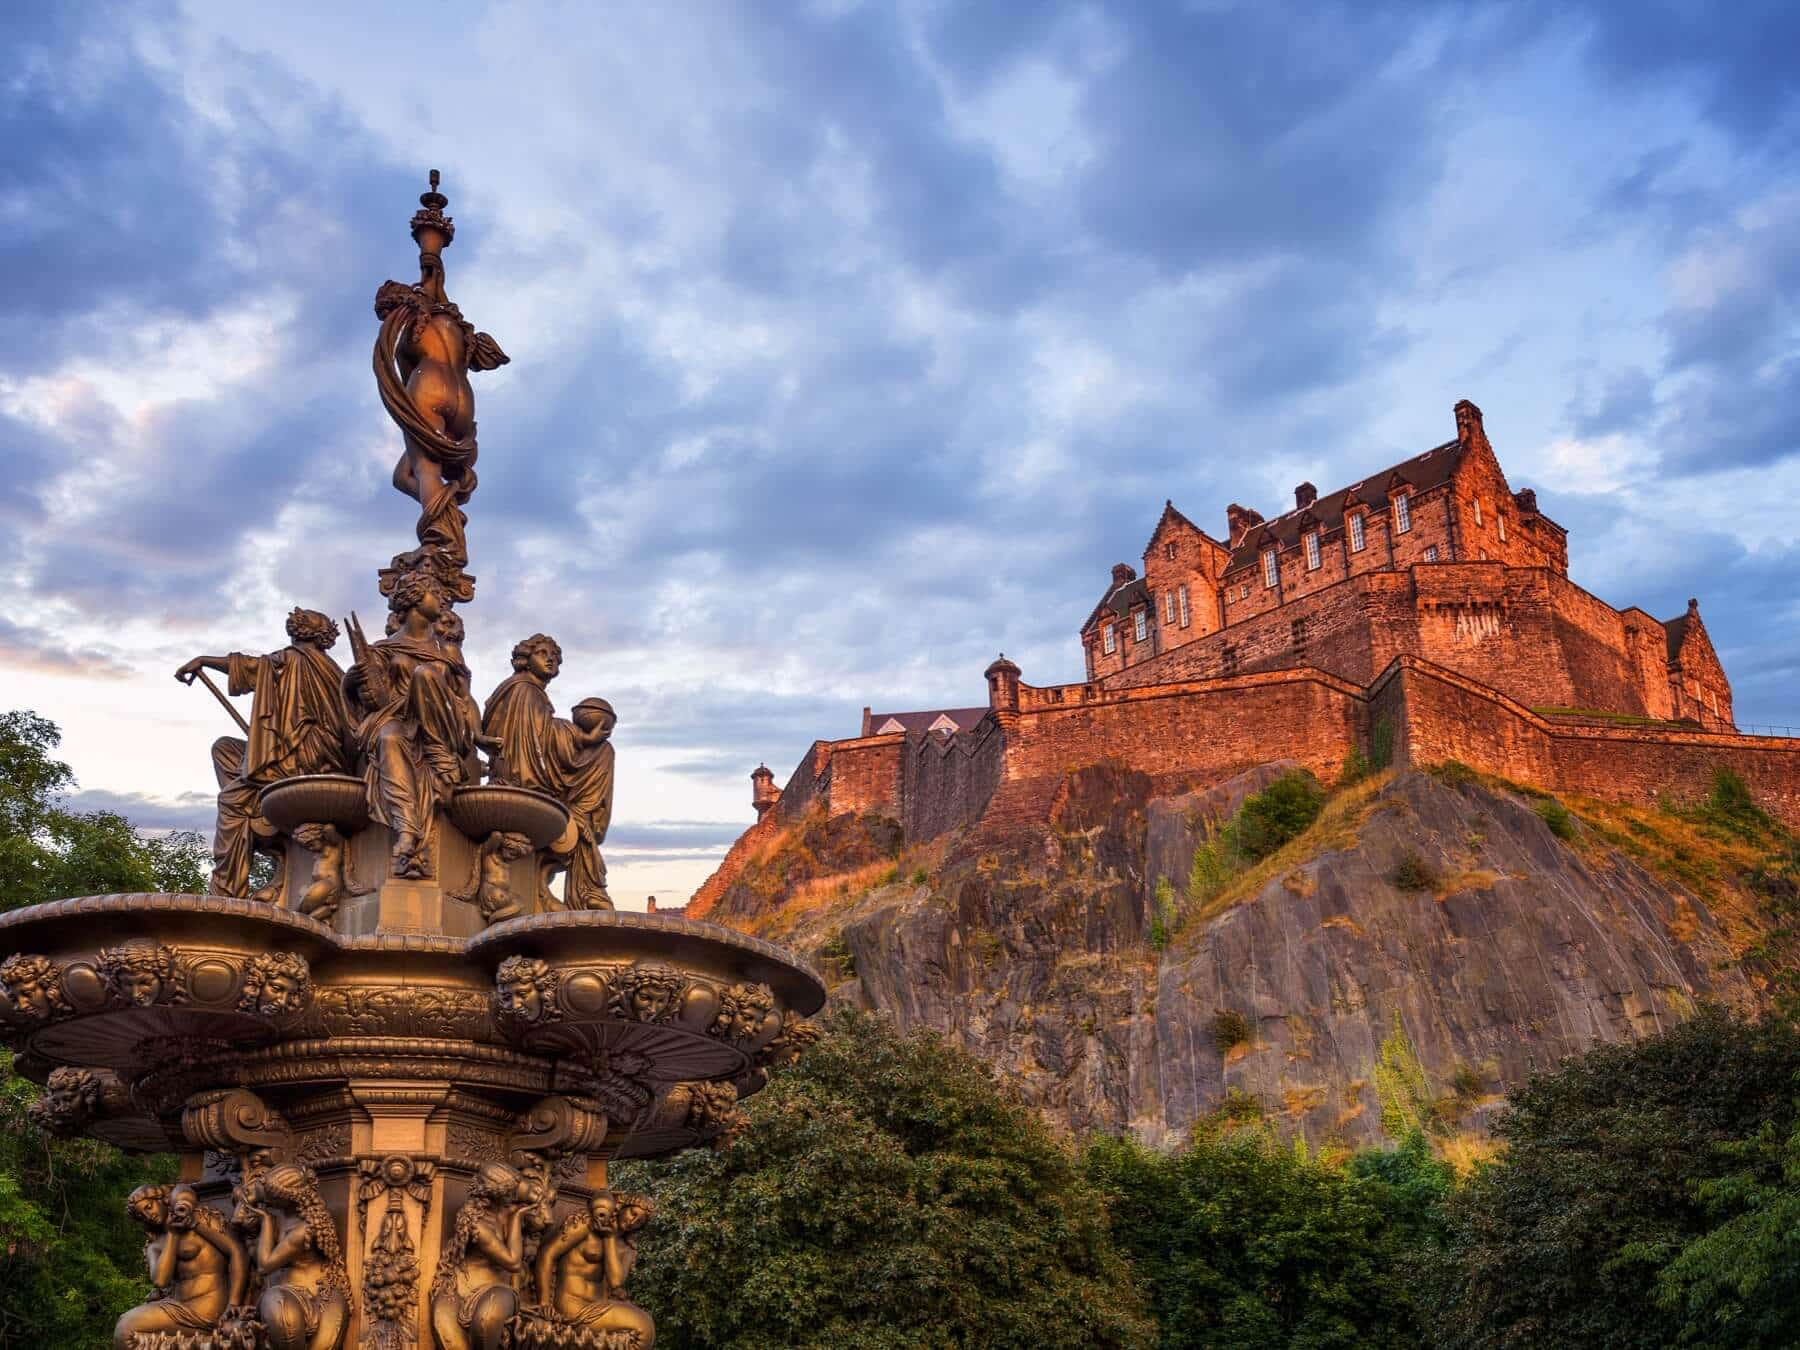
<point x="1003" y="691"/>
<point x="763" y="792"/>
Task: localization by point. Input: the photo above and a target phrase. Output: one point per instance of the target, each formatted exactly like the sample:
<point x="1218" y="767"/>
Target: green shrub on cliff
<point x="888" y="1193"/>
<point x="1280" y="812"/>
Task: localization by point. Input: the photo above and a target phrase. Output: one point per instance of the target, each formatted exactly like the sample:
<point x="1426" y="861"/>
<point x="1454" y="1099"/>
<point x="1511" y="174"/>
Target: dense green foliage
<point x="1639" y="1201"/>
<point x="69" y="1261"/>
<point x="1244" y="1242"/>
<point x="889" y="1193"/>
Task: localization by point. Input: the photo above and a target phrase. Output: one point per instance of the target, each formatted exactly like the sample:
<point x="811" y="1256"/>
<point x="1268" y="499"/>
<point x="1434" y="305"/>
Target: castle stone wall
<point x="947" y="781"/>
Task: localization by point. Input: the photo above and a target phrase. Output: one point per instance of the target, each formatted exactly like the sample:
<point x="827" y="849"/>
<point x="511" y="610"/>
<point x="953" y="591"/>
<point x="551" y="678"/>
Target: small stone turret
<point x="1003" y="692"/>
<point x="763" y="792"/>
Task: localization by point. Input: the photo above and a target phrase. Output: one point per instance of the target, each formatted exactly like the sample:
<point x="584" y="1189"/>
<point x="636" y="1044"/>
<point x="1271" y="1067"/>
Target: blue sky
<point x="854" y="342"/>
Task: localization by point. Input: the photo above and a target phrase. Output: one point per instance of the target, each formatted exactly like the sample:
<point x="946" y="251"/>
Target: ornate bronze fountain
<point x="396" y="1072"/>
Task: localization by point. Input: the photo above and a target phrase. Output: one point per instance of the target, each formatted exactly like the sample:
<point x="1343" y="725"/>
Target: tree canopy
<point x="888" y="1193"/>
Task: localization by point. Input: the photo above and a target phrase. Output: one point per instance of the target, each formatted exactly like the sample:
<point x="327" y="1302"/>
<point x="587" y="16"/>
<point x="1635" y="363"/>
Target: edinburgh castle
<point x="1420" y="614"/>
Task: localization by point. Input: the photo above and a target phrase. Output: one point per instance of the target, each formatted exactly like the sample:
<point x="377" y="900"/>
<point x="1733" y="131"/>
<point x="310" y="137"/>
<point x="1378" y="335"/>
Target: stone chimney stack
<point x="1239" y="521"/>
<point x="1526" y="500"/>
<point x="1122" y="573"/>
<point x="865" y="730"/>
<point x="763" y="792"/>
<point x="1469" y="432"/>
<point x="1304" y="496"/>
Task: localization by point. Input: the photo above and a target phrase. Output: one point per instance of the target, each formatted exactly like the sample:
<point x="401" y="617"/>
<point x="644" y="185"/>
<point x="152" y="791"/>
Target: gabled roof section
<point x="945" y="721"/>
<point x="1171" y="516"/>
<point x="1677" y="630"/>
<point x="1422" y="473"/>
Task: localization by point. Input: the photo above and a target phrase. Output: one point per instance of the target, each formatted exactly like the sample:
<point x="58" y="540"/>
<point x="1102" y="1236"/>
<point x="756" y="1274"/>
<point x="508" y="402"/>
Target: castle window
<point x="1228" y="660"/>
<point x="1168" y="607"/>
<point x="1169" y="550"/>
<point x="1478" y="510"/>
<point x="1357" y="538"/>
<point x="1431" y="553"/>
<point x="1181" y="596"/>
<point x="1244" y="591"/>
<point x="1312" y="551"/>
<point x="1271" y="569"/>
<point x="1501" y="522"/>
<point x="1402" y="514"/>
<point x="1140" y="625"/>
<point x="1109" y="639"/>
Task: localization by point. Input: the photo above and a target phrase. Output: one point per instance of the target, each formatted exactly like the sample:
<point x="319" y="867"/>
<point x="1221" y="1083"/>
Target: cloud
<point x="187" y="811"/>
<point x="852" y="344"/>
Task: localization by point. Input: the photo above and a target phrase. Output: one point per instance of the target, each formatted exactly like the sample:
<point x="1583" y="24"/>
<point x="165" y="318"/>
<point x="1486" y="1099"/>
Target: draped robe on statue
<point x="417" y="744"/>
<point x="551" y="755"/>
<point x="298" y="724"/>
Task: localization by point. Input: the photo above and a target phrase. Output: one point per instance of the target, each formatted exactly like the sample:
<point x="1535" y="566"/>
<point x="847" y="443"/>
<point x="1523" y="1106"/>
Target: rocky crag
<point x="1431" y="938"/>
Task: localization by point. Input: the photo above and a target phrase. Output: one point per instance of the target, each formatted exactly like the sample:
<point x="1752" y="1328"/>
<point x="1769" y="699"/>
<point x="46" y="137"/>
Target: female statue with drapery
<point x="414" y="727"/>
<point x="571" y="760"/>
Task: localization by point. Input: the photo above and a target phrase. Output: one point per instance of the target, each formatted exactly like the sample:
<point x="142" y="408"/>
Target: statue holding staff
<point x="298" y="724"/>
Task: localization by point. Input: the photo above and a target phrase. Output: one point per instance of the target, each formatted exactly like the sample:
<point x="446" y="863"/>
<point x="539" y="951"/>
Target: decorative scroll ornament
<point x="556" y="1126"/>
<point x="391" y="1267"/>
<point x="33" y="986"/>
<point x="619" y="1087"/>
<point x="75" y="1098"/>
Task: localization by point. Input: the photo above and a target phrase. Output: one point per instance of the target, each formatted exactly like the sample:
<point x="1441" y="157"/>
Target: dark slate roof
<point x="1432" y="469"/>
<point x="1121" y="598"/>
<point x="965" y="719"/>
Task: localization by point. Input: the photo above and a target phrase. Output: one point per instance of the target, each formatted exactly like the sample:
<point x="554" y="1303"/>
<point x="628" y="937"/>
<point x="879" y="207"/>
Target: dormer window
<point x="1478" y="510"/>
<point x="1181" y="596"/>
<point x="1108" y="638"/>
<point x="1357" y="537"/>
<point x="1271" y="570"/>
<point x="1402" y="513"/>
<point x="1140" y="625"/>
<point x="1312" y="551"/>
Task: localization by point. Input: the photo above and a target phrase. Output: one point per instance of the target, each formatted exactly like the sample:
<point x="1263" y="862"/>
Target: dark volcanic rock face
<point x="1515" y="949"/>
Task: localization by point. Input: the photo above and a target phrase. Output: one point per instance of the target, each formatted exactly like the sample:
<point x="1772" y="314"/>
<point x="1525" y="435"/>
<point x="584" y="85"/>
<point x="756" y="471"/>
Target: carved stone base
<point x="532" y="1331"/>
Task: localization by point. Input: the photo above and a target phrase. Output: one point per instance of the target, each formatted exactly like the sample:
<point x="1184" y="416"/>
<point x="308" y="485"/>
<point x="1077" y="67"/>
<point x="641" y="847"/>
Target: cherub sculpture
<point x="197" y="1264"/>
<point x="491" y="886"/>
<point x="329" y="883"/>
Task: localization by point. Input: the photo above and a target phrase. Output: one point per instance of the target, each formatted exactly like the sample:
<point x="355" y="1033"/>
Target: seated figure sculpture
<point x="198" y="1266"/>
<point x="305" y="1303"/>
<point x="473" y="1300"/>
<point x="413" y="724"/>
<point x="571" y="760"/>
<point x="298" y="725"/>
<point x="581" y="1272"/>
